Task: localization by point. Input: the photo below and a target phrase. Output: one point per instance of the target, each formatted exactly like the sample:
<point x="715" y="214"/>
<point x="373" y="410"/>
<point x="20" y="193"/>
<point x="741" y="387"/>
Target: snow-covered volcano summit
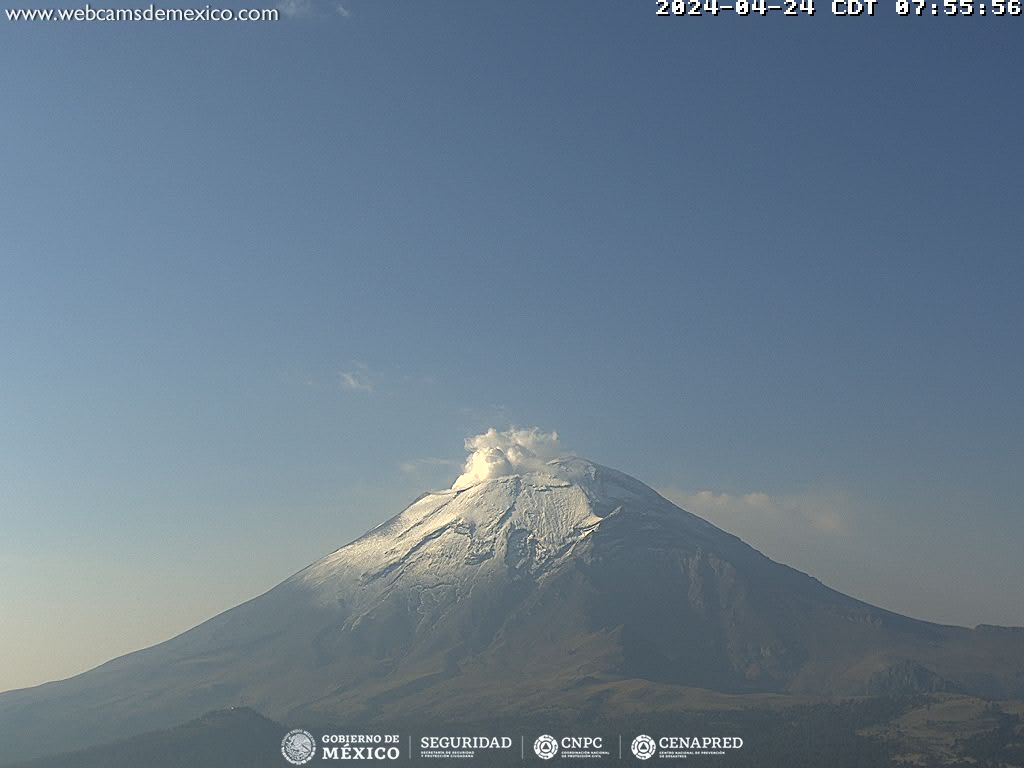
<point x="535" y="581"/>
<point x="497" y="523"/>
<point x="513" y="507"/>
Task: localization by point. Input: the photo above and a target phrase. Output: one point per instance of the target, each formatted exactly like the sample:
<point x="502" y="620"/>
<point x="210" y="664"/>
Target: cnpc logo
<point x="547" y="746"/>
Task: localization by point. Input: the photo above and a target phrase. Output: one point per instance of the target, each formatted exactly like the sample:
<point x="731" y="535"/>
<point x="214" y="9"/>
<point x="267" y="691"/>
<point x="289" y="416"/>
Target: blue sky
<point x="770" y="266"/>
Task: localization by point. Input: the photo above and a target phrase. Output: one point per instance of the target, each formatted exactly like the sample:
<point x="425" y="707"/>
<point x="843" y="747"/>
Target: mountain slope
<point x="217" y="739"/>
<point x="571" y="587"/>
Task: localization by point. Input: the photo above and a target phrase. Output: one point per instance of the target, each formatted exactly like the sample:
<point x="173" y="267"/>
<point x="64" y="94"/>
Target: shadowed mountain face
<point x="217" y="739"/>
<point x="575" y="590"/>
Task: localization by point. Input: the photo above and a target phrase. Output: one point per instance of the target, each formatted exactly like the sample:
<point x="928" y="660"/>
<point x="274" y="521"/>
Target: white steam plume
<point x="512" y="452"/>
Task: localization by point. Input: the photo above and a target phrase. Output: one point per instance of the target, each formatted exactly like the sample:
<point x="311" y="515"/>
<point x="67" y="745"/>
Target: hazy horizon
<point x="769" y="524"/>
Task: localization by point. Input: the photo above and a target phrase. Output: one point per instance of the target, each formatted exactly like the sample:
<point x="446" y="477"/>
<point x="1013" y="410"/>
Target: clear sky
<point x="258" y="283"/>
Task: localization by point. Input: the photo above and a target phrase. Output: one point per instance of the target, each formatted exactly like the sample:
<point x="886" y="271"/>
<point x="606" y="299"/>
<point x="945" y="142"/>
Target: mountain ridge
<point x="570" y="585"/>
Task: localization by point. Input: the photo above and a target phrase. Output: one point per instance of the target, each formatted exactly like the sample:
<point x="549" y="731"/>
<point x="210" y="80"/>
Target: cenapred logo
<point x="298" y="746"/>
<point x="643" y="747"/>
<point x="546" y="747"/>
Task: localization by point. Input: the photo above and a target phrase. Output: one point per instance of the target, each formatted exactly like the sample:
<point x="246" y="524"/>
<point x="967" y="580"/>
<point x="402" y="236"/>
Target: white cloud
<point x="415" y="465"/>
<point x="494" y="454"/>
<point x="821" y="512"/>
<point x="809" y="530"/>
<point x="295" y="9"/>
<point x="307" y="9"/>
<point x="358" y="379"/>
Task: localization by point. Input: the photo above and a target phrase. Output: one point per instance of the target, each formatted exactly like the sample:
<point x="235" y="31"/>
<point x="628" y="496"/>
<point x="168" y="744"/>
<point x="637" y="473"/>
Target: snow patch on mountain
<point x="511" y="497"/>
<point x="449" y="535"/>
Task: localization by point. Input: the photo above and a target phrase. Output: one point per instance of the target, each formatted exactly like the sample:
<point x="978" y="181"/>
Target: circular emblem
<point x="643" y="747"/>
<point x="298" y="747"/>
<point x="546" y="747"/>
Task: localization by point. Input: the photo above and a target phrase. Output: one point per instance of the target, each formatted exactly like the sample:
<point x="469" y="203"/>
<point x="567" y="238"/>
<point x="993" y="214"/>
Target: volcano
<point x="560" y="586"/>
